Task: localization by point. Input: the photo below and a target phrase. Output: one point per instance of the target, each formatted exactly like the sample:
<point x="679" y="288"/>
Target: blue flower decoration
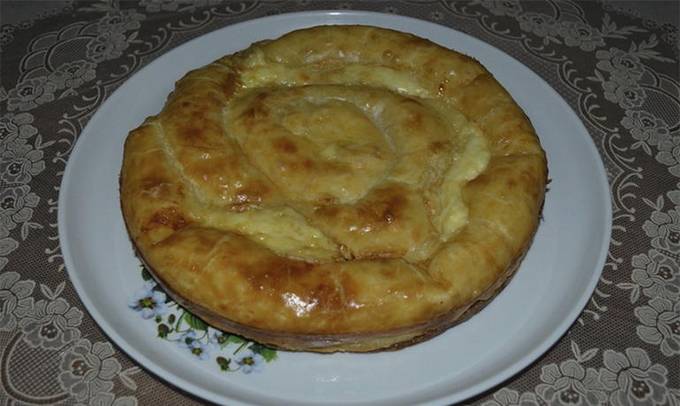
<point x="149" y="302"/>
<point x="249" y="361"/>
<point x="218" y="338"/>
<point x="197" y="347"/>
<point x="187" y="339"/>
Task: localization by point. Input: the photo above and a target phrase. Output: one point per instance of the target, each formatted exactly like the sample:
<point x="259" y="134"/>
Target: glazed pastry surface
<point x="341" y="188"/>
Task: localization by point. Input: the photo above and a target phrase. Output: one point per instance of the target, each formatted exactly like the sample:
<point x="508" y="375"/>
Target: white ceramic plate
<point x="547" y="294"/>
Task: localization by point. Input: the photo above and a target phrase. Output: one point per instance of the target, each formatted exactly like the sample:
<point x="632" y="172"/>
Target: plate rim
<point x="346" y="16"/>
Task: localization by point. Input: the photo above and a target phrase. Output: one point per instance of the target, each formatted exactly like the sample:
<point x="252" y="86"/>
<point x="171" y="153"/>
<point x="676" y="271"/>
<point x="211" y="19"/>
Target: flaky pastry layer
<point x="341" y="188"/>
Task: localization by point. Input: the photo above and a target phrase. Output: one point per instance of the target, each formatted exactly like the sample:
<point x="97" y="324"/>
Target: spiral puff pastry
<point x="341" y="188"/>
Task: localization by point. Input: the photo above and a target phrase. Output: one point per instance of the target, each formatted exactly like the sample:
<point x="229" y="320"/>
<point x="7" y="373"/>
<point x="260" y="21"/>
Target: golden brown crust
<point x="342" y="188"/>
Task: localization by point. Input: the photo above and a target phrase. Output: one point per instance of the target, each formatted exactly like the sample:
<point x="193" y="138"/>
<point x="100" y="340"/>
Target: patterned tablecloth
<point x="617" y="68"/>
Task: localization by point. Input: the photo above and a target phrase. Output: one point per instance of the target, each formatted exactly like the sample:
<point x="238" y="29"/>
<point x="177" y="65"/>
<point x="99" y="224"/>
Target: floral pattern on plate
<point x="175" y="324"/>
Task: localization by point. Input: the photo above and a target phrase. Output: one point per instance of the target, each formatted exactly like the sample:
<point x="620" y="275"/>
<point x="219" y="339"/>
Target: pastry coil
<point x="341" y="188"/>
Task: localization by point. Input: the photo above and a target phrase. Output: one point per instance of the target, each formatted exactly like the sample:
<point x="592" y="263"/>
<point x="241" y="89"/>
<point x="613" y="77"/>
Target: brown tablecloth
<point x="616" y="64"/>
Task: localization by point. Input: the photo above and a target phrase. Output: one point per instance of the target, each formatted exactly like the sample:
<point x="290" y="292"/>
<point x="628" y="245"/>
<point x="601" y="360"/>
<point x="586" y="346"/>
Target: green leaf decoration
<point x="146" y="275"/>
<point x="267" y="353"/>
<point x="235" y="340"/>
<point x="194" y="322"/>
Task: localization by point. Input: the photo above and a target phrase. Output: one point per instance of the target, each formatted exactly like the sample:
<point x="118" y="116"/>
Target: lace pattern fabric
<point x="618" y="71"/>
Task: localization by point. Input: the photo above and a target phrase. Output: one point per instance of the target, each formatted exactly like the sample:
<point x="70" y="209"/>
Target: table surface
<point x="615" y="63"/>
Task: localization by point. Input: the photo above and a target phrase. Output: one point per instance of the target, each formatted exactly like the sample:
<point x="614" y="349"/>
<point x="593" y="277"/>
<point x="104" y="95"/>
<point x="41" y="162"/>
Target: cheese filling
<point x="360" y="153"/>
